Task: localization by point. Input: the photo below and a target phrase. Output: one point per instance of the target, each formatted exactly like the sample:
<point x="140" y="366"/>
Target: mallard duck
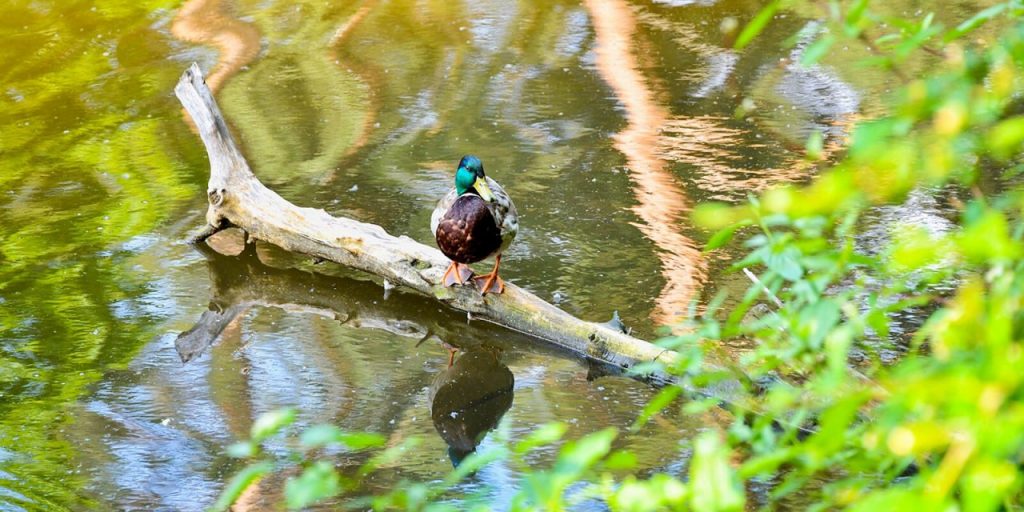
<point x="472" y="222"/>
<point x="467" y="400"/>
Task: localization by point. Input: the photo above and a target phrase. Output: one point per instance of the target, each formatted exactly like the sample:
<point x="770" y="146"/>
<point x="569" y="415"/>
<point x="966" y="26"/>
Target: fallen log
<point x="237" y="198"/>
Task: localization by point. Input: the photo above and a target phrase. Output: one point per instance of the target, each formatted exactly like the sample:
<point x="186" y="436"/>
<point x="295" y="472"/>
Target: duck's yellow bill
<point x="485" y="191"/>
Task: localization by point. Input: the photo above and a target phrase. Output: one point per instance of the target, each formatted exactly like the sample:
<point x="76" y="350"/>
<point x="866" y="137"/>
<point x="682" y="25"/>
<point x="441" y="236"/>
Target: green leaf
<point x="987" y="483"/>
<point x="700" y="406"/>
<point x="1005" y="138"/>
<point x="581" y="454"/>
<point x="837" y="350"/>
<point x="620" y="460"/>
<point x="713" y="215"/>
<point x="473" y="463"/>
<point x="988" y="238"/>
<point x="271" y="423"/>
<point x="644" y="368"/>
<point x="817" y="320"/>
<point x="815" y="146"/>
<point x="246" y="477"/>
<point x="756" y="25"/>
<point x="897" y="498"/>
<point x="324" y="435"/>
<point x="659" y="402"/>
<point x="817" y="50"/>
<point x="722" y="237"/>
<point x="319" y="435"/>
<point x="545" y="435"/>
<point x="362" y="440"/>
<point x="854" y="16"/>
<point x="318" y="482"/>
<point x="785" y="265"/>
<point x="766" y="464"/>
<point x="242" y="450"/>
<point x="713" y="485"/>
<point x="389" y="455"/>
<point x="972" y="23"/>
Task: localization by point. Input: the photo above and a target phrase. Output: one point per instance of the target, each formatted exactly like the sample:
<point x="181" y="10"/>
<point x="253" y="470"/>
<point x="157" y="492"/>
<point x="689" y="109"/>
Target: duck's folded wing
<point x="442" y="206"/>
<point x="504" y="211"/>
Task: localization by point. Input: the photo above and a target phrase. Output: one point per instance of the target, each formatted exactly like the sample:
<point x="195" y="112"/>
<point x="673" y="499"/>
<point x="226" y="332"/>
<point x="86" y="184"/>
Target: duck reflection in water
<point x="468" y="399"/>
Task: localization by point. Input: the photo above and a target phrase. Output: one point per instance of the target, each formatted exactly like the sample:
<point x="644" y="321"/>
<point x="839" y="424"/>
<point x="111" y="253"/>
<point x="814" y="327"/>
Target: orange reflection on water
<point x="662" y="203"/>
<point x="709" y="146"/>
<point x="207" y="22"/>
<point x="338" y="40"/>
<point x="717" y="148"/>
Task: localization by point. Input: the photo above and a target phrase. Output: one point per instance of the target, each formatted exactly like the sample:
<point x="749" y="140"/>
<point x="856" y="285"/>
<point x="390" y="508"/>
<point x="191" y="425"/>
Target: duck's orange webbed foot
<point x="491" y="283"/>
<point x="457" y="273"/>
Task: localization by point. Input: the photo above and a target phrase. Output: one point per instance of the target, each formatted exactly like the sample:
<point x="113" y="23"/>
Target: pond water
<point x="606" y="120"/>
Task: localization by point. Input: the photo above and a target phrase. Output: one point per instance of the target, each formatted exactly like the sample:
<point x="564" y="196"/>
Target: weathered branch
<point x="237" y="197"/>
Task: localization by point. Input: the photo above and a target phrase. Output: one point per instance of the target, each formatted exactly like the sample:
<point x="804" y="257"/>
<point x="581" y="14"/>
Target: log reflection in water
<point x="207" y="22"/>
<point x="243" y="281"/>
<point x="662" y="203"/>
<point x="468" y="399"/>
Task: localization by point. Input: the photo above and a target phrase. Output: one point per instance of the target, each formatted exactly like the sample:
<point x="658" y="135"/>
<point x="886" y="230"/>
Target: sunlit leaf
<point x="720" y="238"/>
<point x="269" y="424"/>
<point x="765" y="464"/>
<point x="664" y="397"/>
<point x="713" y="485"/>
<point x="320" y="435"/>
<point x="621" y="460"/>
<point x="756" y="25"/>
<point x="582" y="453"/>
<point x="542" y="436"/>
<point x="815" y="146"/>
<point x="390" y="455"/>
<point x="239" y="483"/>
<point x="971" y="24"/>
<point x="316" y="483"/>
<point x="785" y="264"/>
<point x="817" y="50"/>
<point x="987" y="484"/>
<point x="1006" y="137"/>
<point x="852" y="22"/>
<point x="323" y="435"/>
<point x="473" y="463"/>
<point x="243" y="449"/>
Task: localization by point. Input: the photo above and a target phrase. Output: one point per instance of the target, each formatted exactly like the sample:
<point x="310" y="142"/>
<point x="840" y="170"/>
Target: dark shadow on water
<point x="468" y="399"/>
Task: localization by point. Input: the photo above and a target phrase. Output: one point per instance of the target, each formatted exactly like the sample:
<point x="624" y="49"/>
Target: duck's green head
<point x="470" y="178"/>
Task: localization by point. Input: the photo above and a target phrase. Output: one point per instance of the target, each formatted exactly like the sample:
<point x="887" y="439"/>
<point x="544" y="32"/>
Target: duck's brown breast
<point x="467" y="232"/>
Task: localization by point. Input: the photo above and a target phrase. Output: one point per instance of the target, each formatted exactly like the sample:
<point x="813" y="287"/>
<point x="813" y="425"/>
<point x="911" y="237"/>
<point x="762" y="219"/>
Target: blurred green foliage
<point x="820" y="407"/>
